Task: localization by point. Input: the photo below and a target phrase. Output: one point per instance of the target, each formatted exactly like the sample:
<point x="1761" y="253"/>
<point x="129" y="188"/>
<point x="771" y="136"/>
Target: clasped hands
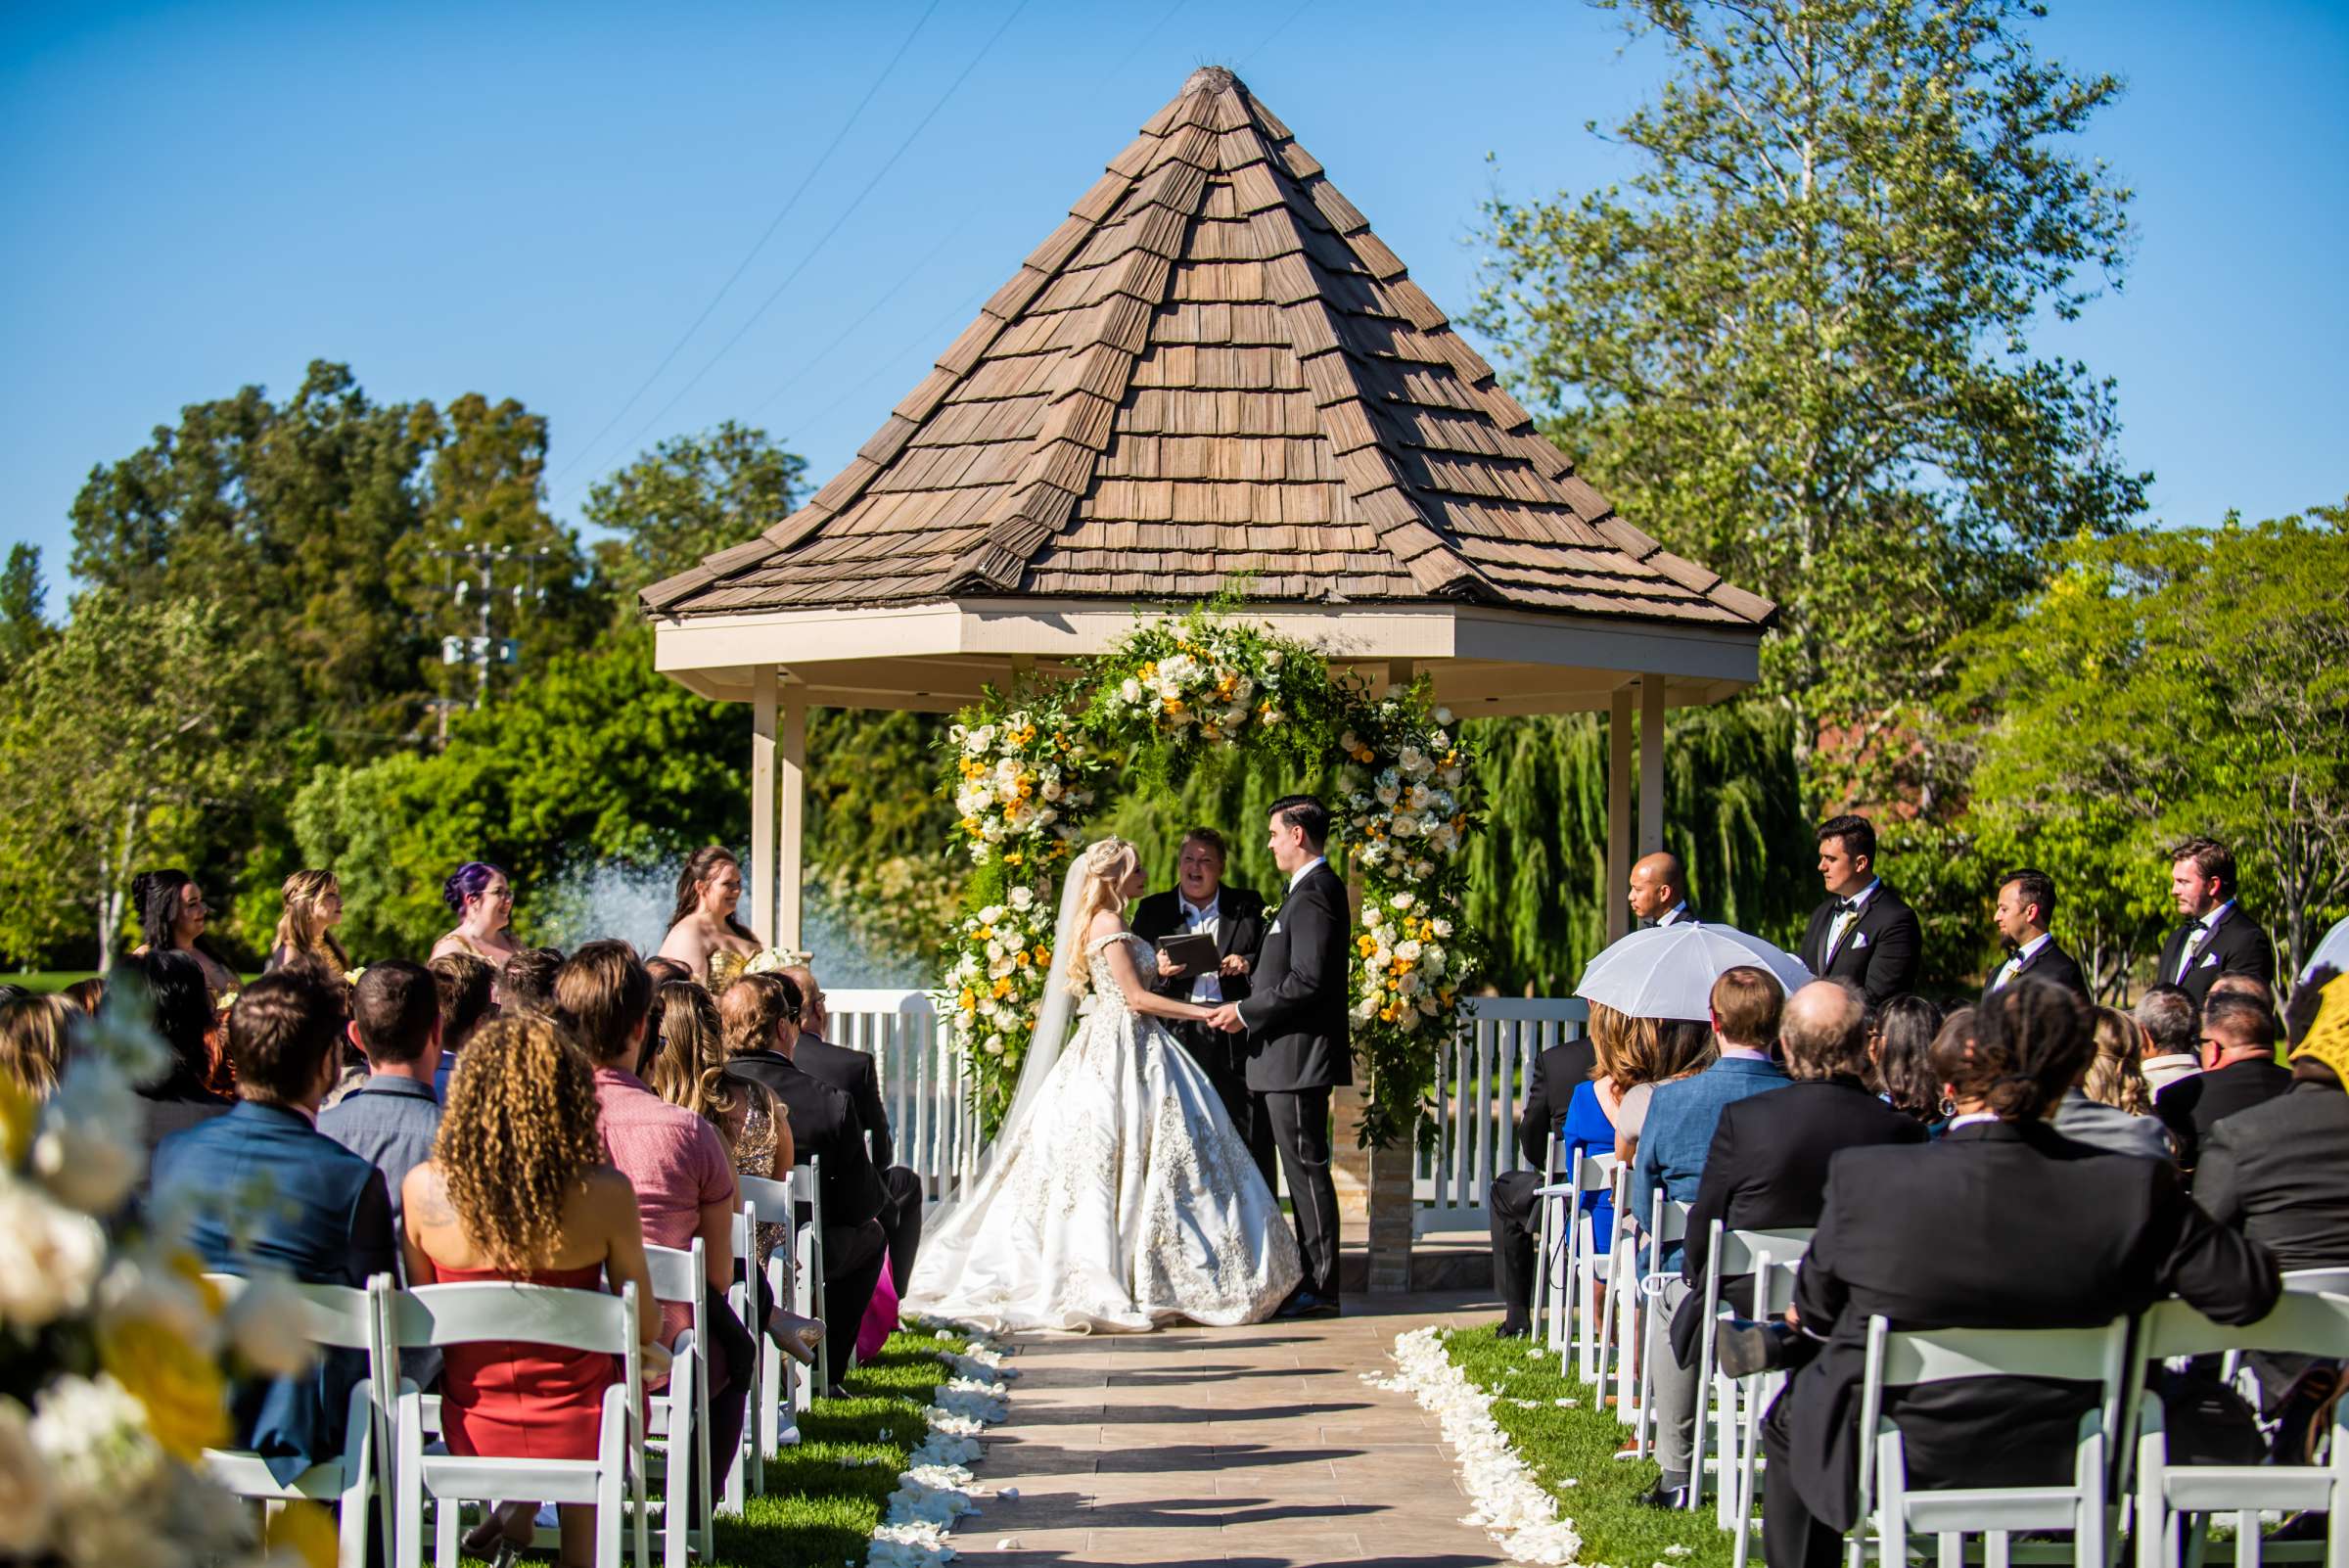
<point x="1227" y="1019"/>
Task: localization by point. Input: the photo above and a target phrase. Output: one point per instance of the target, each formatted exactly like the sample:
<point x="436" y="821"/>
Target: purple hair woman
<point x="482" y="900"/>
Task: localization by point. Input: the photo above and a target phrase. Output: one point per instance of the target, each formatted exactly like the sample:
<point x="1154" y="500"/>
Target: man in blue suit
<point x="266" y="1189"/>
<point x="1673" y="1144"/>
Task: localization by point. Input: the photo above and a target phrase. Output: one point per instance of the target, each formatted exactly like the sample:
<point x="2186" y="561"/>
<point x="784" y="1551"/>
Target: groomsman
<point x="2217" y="938"/>
<point x="1199" y="902"/>
<point x="1659" y="894"/>
<point x="1864" y="932"/>
<point x="2026" y="909"/>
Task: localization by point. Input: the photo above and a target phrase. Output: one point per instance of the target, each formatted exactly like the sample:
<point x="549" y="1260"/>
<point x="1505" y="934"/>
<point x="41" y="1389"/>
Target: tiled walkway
<point x="1259" y="1445"/>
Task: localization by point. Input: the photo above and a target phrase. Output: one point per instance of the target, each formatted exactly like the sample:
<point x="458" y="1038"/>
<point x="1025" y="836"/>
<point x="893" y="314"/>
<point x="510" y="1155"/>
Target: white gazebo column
<point x="762" y="803"/>
<point x="1619" y="813"/>
<point x="791" y="784"/>
<point x="1651" y="765"/>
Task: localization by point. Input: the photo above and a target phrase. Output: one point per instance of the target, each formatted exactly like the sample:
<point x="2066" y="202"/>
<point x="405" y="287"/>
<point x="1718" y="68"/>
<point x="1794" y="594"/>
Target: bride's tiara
<point x="1102" y="853"/>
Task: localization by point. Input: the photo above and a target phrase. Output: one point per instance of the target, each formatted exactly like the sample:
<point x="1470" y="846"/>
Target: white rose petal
<point x="265" y="1324"/>
<point x="26" y="1500"/>
<point x="49" y="1257"/>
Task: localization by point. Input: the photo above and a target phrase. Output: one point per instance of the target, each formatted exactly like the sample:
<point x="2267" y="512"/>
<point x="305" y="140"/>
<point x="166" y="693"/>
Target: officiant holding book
<point x="1209" y="936"/>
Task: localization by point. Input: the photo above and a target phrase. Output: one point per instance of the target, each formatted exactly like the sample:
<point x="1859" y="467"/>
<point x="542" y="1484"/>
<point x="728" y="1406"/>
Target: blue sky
<point x="537" y="202"/>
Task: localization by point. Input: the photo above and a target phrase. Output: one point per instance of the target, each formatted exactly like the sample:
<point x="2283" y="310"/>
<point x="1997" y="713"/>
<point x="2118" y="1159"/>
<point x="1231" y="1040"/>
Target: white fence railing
<point x="1481" y="1082"/>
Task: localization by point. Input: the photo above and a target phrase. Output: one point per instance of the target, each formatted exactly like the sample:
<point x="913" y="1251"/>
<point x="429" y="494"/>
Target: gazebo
<point x="1211" y="375"/>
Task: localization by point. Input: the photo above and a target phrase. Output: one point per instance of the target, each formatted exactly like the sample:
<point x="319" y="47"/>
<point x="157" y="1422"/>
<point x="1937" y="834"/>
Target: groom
<point x="1295" y="1018"/>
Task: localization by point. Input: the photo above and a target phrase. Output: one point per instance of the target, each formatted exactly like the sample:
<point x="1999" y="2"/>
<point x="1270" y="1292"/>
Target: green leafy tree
<point x="688" y="497"/>
<point x="1795" y="343"/>
<point x="117" y="741"/>
<point x="21" y="599"/>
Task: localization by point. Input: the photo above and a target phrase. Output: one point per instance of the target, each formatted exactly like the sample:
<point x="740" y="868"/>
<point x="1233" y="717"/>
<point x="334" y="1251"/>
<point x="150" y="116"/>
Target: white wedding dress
<point x="1122" y="1200"/>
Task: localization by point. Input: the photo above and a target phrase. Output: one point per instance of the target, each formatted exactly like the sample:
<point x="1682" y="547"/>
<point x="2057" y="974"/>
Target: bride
<point x="1116" y="1195"/>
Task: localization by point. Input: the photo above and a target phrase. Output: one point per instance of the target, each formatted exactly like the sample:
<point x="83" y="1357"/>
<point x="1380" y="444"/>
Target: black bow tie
<point x="2015" y="948"/>
<point x="1846" y="906"/>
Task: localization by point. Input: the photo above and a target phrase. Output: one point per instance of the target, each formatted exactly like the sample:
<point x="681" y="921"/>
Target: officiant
<point x="1233" y="918"/>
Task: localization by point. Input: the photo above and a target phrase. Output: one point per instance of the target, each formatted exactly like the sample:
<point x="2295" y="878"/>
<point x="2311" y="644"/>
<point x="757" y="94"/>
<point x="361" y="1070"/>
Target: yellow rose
<point x="185" y="1397"/>
<point x="306" y="1531"/>
<point x="19" y="1111"/>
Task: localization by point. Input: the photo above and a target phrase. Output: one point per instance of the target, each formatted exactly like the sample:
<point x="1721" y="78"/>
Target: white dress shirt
<point x="1845" y="919"/>
<point x="1206" y="990"/>
<point x="2014" y="965"/>
<point x="1298" y="874"/>
<point x="1676" y="914"/>
<point x="2194" y="945"/>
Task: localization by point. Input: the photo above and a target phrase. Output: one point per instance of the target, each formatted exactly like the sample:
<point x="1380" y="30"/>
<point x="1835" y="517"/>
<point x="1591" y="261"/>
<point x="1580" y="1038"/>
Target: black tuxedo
<point x="2236" y="947"/>
<point x="1997" y="1226"/>
<point x="1881" y="951"/>
<point x="1686" y="917"/>
<point x="856" y="1075"/>
<point x="2193" y="1105"/>
<point x="1299" y="1049"/>
<point x="1509" y="1208"/>
<point x="2280" y="1174"/>
<point x="824" y="1122"/>
<point x="2051" y="964"/>
<point x="1224" y="1058"/>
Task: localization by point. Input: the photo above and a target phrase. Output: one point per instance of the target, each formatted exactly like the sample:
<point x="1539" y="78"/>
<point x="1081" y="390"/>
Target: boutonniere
<point x="1271" y="911"/>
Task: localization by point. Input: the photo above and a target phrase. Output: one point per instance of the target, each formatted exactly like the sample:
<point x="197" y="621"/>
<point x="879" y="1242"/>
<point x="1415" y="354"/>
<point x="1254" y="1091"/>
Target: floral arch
<point x="1027" y="769"/>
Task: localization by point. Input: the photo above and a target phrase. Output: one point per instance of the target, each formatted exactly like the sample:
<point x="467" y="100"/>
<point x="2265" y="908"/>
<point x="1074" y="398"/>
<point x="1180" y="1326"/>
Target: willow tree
<point x="1797" y="342"/>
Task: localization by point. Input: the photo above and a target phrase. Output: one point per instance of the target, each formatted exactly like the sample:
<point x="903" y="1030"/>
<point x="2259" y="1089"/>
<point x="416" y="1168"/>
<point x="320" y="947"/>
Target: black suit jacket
<point x="1996" y="1225"/>
<point x="1556" y="1072"/>
<point x="2051" y="964"/>
<point x="2192" y="1106"/>
<point x="2237" y="947"/>
<point x="1296" y="1013"/>
<point x="1239" y="928"/>
<point x="855" y="1074"/>
<point x="823" y="1121"/>
<point x="1880" y="953"/>
<point x="1690" y="916"/>
<point x="2280" y="1174"/>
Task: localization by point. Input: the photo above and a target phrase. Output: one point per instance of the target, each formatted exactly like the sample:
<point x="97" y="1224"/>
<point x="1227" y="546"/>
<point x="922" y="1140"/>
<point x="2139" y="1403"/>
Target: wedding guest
<point x="702" y="923"/>
<point x="2002" y="1222"/>
<point x="2279" y="1171"/>
<point x="173" y="913"/>
<point x="482" y="900"/>
<point x="461" y="985"/>
<point x="858" y="1075"/>
<point x="2217" y="938"/>
<point x="517" y="1188"/>
<point x="167" y="991"/>
<point x="2121" y="1125"/>
<point x="264" y="1187"/>
<point x="2025" y="911"/>
<point x="1659" y="891"/>
<point x="33" y="1041"/>
<point x="1201" y="902"/>
<point x="2242" y="986"/>
<point x="1646" y="1052"/>
<point x="87" y="995"/>
<point x="2238" y="1072"/>
<point x="1560" y="1074"/>
<point x="1745" y="1003"/>
<point x="759" y="1014"/>
<point x="1900" y="1038"/>
<point x="683" y="1176"/>
<point x="527" y="982"/>
<point x="1864" y="932"/>
<point x="664" y="970"/>
<point x="393" y="1116"/>
<point x="2172" y="1020"/>
<point x="313" y="909"/>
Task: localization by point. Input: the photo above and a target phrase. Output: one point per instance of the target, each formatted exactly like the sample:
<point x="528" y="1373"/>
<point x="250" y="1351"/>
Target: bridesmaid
<point x="482" y="900"/>
<point x="702" y="933"/>
<point x="172" y="915"/>
<point x="313" y="909"/>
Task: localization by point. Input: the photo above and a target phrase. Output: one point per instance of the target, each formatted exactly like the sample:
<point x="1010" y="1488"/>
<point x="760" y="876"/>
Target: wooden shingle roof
<point x="1212" y="368"/>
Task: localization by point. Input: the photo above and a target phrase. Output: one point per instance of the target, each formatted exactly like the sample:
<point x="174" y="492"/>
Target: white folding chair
<point x="1570" y="1259"/>
<point x="1668" y="1222"/>
<point x="1769" y="1257"/>
<point x="333" y="1318"/>
<point x="746" y="1468"/>
<point x="499" y="1312"/>
<point x="676" y="1420"/>
<point x="1546" y="1195"/>
<point x="2172" y="1498"/>
<point x="1600" y="1348"/>
<point x="784" y="1389"/>
<point x="807" y="1279"/>
<point x="1894" y="1512"/>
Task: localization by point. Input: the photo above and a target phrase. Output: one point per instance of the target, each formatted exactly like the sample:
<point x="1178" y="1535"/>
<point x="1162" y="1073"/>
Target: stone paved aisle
<point x="1259" y="1445"/>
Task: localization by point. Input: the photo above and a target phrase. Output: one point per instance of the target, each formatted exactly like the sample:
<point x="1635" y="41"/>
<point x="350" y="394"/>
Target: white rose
<point x="1411" y="760"/>
<point x="1273" y="659"/>
<point x="1403" y="900"/>
<point x="991" y="915"/>
<point x="265" y="1324"/>
<point x="1406" y="982"/>
<point x="1441" y="926"/>
<point x="1381" y="956"/>
<point x="1427" y="1006"/>
<point x="1408" y="1021"/>
<point x="26" y="1499"/>
<point x="1443" y="715"/>
<point x="1049" y="789"/>
<point x="992" y="1045"/>
<point x="93" y="1432"/>
<point x="1408" y="952"/>
<point x="83" y="1153"/>
<point x="1433" y="958"/>
<point x="1403" y="825"/>
<point x="1023" y="898"/>
<point x="1388" y="795"/>
<point x="49" y="1257"/>
<point x="1131" y="689"/>
<point x="1440" y="741"/>
<point x="982" y="737"/>
<point x="1234" y="716"/>
<point x="143" y="1287"/>
<point x="998" y="965"/>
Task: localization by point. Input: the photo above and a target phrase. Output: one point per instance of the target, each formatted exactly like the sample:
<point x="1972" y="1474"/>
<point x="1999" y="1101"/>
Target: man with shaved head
<point x="1659" y="895"/>
<point x="856" y="1074"/>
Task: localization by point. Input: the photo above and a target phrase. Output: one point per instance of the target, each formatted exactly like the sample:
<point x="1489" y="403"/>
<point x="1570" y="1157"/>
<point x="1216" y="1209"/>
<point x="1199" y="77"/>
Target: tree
<point x="1796" y="344"/>
<point x="22" y="598"/>
<point x="117" y="743"/>
<point x="688" y="497"/>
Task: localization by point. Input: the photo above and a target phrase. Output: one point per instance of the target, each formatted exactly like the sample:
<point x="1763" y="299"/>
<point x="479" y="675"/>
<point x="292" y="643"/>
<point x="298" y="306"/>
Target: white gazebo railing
<point x="1480" y="1081"/>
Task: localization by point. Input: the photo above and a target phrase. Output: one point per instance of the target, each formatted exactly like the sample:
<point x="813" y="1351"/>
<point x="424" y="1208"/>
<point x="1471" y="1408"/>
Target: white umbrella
<point x="1668" y="971"/>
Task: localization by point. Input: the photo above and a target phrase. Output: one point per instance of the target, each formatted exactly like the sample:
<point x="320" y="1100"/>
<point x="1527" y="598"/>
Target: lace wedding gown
<point x="1123" y="1200"/>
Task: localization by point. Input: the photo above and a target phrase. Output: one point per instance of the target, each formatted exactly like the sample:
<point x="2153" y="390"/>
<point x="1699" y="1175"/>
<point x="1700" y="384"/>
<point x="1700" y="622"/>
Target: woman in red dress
<point x="517" y="1188"/>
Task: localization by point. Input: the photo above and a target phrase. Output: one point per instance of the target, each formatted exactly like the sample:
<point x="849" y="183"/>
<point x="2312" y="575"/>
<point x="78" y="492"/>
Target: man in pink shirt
<point x="684" y="1179"/>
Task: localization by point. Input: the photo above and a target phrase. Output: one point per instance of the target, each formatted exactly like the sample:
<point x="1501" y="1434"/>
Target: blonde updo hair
<point x="1104" y="864"/>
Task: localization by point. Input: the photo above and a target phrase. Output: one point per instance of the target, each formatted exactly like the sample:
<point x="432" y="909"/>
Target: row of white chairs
<point x="2167" y="1511"/>
<point x="393" y="1462"/>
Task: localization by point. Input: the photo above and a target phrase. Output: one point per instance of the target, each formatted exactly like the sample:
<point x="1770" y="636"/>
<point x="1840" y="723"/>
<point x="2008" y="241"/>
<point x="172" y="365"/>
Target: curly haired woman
<point x="517" y="1188"/>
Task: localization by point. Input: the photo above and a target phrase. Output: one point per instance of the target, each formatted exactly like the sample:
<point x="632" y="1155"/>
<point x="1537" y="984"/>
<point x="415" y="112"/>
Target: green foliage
<point x="2185" y="681"/>
<point x="1795" y="344"/>
<point x="119" y="739"/>
<point x="22" y="598"/>
<point x="688" y="497"/>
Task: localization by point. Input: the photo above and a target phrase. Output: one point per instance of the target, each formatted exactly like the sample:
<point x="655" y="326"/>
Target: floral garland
<point x="1025" y="767"/>
<point x="114" y="1350"/>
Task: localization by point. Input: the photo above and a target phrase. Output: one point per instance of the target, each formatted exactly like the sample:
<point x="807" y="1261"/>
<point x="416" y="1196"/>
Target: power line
<point x="1276" y="32"/>
<point x="838" y="223"/>
<point x="887" y="363"/>
<point x="792" y="202"/>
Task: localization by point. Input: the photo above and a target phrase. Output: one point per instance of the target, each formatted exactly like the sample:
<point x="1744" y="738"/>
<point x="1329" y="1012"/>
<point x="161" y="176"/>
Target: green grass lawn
<point x="1577" y="1444"/>
<point x="46" y="979"/>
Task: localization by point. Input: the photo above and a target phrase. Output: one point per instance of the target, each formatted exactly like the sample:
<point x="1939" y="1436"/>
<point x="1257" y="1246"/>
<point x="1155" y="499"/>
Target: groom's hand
<point x="1227" y="1019"/>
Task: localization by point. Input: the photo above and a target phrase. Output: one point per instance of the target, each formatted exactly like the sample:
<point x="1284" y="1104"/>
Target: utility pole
<point x="473" y="574"/>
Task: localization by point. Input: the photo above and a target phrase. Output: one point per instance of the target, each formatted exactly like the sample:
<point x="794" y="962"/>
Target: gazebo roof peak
<point x="1213" y="369"/>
